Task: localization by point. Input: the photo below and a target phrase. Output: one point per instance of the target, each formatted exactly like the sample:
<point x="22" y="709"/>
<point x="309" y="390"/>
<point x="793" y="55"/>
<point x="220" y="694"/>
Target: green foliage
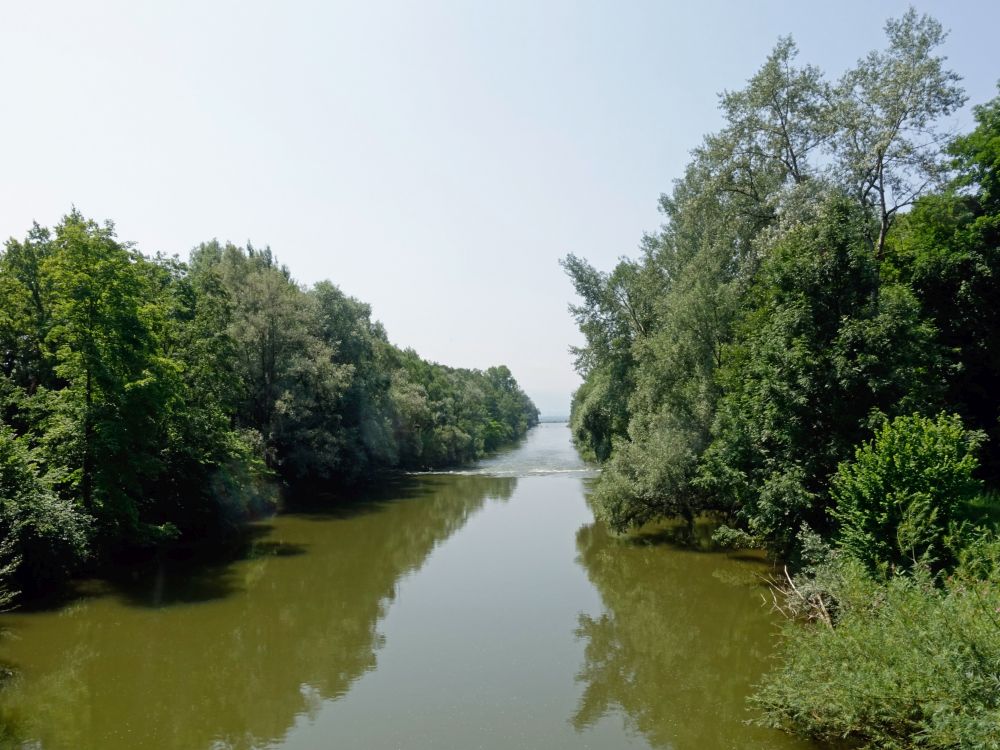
<point x="907" y="665"/>
<point x="977" y="157"/>
<point x="979" y="558"/>
<point x="948" y="249"/>
<point x="885" y="112"/>
<point x="899" y="500"/>
<point x="782" y="114"/>
<point x="151" y="399"/>
<point x="592" y="420"/>
<point x="610" y="321"/>
<point x="817" y="282"/>
<point x="111" y="384"/>
<point x="648" y="479"/>
<point x="774" y="317"/>
<point x="823" y="348"/>
<point x="445" y="416"/>
<point x="42" y="536"/>
<point x="912" y="660"/>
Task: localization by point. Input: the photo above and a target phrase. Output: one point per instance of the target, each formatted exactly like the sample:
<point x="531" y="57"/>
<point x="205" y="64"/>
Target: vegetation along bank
<point x="809" y="348"/>
<point x="149" y="401"/>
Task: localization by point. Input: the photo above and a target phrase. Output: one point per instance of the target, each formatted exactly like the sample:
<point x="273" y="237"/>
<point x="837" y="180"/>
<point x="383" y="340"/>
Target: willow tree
<point x="791" y="143"/>
<point x="888" y="146"/>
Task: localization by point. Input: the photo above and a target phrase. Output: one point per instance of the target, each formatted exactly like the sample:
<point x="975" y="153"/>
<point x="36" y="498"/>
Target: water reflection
<point x="679" y="643"/>
<point x="227" y="657"/>
<point x="296" y="644"/>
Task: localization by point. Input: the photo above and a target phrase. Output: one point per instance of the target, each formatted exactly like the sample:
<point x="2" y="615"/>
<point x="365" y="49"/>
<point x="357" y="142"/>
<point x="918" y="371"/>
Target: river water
<point x="473" y="609"/>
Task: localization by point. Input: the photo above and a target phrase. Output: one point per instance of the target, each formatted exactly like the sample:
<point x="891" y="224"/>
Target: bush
<point x="42" y="536"/>
<point x="908" y="664"/>
<point x="898" y="502"/>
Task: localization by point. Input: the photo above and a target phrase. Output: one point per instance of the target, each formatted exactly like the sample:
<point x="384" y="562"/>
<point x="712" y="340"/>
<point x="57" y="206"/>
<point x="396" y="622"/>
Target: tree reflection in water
<point x="228" y="657"/>
<point x="682" y="637"/>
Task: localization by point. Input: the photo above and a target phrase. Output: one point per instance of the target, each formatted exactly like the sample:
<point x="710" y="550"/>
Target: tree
<point x="24" y="317"/>
<point x="948" y="250"/>
<point x="43" y="537"/>
<point x="365" y="406"/>
<point x="105" y="426"/>
<point x="613" y="314"/>
<point x="778" y="121"/>
<point x="814" y="358"/>
<point x="714" y="364"/>
<point x="887" y="146"/>
<point x="146" y="399"/>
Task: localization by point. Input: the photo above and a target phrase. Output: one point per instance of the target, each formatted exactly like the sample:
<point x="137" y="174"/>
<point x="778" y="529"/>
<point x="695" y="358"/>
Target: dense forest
<point x="809" y="349"/>
<point x="149" y="401"/>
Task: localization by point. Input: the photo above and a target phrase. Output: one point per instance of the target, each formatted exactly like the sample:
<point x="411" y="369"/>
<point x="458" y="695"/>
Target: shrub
<point x="42" y="536"/>
<point x="908" y="664"/>
<point x="899" y="500"/>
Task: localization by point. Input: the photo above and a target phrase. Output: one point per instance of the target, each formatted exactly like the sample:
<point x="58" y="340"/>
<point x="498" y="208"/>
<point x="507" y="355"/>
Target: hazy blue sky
<point x="434" y="159"/>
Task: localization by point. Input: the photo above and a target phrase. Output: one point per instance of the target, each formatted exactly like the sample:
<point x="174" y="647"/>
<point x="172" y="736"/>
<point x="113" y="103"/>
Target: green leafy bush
<point x="899" y="500"/>
<point x="42" y="536"/>
<point x="908" y="664"/>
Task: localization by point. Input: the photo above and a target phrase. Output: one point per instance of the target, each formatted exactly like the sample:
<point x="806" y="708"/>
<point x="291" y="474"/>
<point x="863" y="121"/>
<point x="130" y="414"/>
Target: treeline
<point x="809" y="348"/>
<point x="146" y="400"/>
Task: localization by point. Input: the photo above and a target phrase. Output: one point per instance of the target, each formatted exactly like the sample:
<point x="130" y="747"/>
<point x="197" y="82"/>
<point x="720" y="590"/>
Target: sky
<point x="434" y="159"/>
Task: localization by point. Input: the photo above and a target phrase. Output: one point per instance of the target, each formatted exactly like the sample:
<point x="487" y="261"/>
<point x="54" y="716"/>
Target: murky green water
<point x="481" y="609"/>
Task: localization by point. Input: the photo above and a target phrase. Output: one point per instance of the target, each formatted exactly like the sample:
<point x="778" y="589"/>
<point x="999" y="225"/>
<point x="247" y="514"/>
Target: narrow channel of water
<point x="474" y="609"/>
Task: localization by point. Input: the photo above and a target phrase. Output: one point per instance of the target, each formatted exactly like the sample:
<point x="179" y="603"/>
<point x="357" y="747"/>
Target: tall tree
<point x="778" y="121"/>
<point x="887" y="144"/>
<point x="103" y="342"/>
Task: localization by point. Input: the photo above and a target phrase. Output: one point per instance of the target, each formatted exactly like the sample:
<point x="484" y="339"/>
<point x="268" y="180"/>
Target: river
<point x="473" y="609"/>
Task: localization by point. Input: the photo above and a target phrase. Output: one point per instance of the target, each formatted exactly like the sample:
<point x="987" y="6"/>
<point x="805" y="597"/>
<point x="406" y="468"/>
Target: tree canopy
<point x="144" y="399"/>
